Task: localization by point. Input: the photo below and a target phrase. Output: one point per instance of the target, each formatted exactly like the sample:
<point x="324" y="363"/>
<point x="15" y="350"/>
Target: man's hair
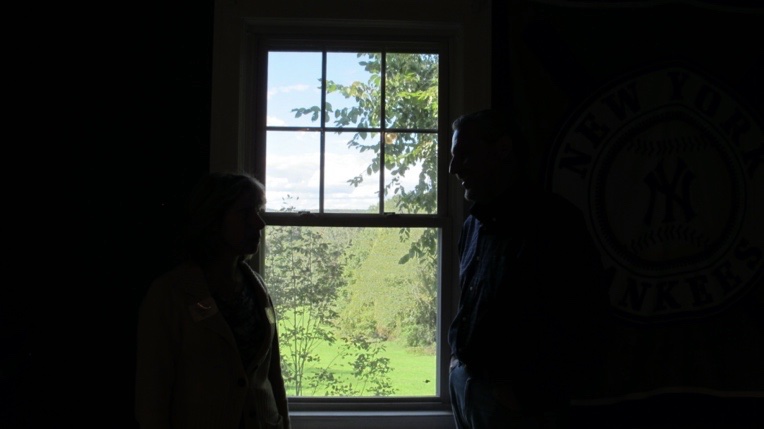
<point x="493" y="124"/>
<point x="209" y="200"/>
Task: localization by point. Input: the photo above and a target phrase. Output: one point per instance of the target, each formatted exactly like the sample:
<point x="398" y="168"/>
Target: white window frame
<point x="257" y="35"/>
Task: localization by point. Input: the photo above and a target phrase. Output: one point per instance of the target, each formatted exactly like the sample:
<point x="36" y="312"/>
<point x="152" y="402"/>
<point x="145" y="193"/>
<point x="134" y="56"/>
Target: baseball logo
<point x="664" y="165"/>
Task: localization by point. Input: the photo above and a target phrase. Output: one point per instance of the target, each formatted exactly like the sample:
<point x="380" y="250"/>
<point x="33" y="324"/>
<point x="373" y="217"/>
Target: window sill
<point x="372" y="420"/>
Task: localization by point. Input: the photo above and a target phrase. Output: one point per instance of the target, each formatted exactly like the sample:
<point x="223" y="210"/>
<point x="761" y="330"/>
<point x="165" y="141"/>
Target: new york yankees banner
<point x="649" y="118"/>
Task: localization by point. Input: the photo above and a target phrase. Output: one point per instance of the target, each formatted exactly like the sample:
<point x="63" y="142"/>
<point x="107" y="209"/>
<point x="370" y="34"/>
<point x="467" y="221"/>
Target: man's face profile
<point x="477" y="164"/>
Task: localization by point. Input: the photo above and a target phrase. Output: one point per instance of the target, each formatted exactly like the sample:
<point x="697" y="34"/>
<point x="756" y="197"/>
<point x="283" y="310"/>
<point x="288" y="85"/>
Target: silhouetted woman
<point x="208" y="352"/>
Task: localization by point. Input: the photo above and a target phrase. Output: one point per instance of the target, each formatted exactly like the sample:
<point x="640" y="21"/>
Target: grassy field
<point x="413" y="371"/>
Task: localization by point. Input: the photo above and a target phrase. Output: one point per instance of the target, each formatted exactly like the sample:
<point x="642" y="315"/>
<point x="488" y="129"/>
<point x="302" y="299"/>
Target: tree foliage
<point x="306" y="272"/>
<point x="411" y="103"/>
<point x="383" y="297"/>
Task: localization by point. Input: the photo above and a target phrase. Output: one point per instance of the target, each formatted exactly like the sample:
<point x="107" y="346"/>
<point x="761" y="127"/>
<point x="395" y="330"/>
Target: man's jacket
<point x="533" y="308"/>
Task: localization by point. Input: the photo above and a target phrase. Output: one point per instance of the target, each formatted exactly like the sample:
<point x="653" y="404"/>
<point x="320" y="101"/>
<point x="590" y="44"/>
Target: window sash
<point x="379" y="132"/>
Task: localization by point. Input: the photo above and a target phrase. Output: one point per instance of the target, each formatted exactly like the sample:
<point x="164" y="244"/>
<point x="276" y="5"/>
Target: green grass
<point x="412" y="371"/>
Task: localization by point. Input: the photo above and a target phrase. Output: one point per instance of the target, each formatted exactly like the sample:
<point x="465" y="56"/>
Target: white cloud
<point x="274" y="121"/>
<point x="287" y="89"/>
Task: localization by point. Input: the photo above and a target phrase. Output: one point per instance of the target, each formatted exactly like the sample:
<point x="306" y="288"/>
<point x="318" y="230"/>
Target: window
<point x="349" y="131"/>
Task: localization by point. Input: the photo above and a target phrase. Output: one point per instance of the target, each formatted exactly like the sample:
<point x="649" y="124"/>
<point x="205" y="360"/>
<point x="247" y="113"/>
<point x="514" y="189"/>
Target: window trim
<point x="442" y="38"/>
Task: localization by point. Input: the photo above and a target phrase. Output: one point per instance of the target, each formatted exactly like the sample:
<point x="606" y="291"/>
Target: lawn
<point x="413" y="371"/>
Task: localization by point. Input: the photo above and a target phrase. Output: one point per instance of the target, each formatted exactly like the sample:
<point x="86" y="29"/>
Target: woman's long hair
<point x="208" y="202"/>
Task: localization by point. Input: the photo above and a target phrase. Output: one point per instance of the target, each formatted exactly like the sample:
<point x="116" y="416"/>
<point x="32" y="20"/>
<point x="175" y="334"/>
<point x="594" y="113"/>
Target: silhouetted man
<point x="531" y="305"/>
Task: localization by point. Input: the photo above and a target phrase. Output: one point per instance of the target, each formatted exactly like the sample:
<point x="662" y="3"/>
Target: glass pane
<point x="353" y="89"/>
<point x="356" y="315"/>
<point x="294" y="81"/>
<point x="292" y="174"/>
<point x="411" y="91"/>
<point x="352" y="172"/>
<point x="412" y="163"/>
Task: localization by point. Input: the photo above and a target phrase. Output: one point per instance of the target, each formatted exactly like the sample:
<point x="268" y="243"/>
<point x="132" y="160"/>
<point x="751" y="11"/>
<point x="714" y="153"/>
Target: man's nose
<point x="455" y="166"/>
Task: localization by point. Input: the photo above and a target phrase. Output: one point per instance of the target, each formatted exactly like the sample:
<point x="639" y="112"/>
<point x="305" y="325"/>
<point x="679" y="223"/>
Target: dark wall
<point x="132" y="95"/>
<point x="166" y="151"/>
<point x="172" y="152"/>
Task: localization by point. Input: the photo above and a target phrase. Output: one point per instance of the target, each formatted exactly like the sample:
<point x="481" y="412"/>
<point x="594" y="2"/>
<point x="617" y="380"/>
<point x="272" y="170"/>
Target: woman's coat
<point x="189" y="373"/>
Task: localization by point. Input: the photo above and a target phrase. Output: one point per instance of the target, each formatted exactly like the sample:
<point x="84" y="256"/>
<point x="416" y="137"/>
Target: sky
<point x="292" y="172"/>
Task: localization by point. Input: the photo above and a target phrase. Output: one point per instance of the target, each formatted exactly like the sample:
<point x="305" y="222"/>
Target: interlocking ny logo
<point x="674" y="190"/>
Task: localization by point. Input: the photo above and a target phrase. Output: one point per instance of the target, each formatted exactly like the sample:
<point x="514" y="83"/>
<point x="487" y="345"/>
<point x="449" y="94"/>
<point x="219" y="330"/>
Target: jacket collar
<point x="205" y="311"/>
<point x="200" y="303"/>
